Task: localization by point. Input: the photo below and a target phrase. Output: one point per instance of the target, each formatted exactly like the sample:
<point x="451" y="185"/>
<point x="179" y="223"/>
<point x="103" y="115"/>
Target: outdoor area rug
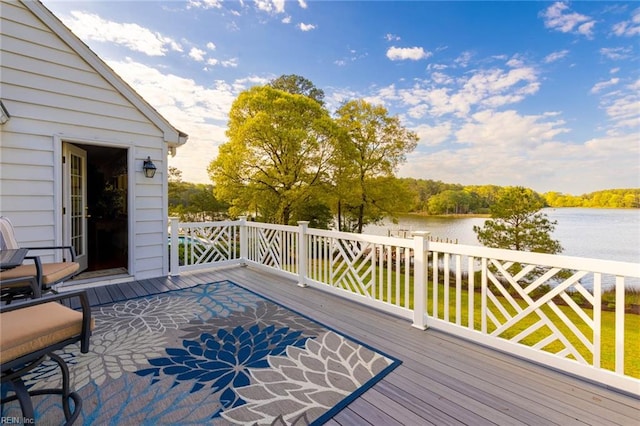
<point x="211" y="354"/>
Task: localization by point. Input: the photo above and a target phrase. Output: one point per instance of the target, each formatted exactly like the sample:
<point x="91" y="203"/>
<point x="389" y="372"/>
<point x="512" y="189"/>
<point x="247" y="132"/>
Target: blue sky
<point x="540" y="94"/>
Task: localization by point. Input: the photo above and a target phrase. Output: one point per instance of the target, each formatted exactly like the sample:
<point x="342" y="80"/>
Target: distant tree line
<point x="423" y="196"/>
<point x="439" y="198"/>
<point x="193" y="202"/>
<point x="608" y="198"/>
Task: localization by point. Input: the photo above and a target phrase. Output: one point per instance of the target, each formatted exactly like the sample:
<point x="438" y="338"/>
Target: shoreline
<point x="451" y="216"/>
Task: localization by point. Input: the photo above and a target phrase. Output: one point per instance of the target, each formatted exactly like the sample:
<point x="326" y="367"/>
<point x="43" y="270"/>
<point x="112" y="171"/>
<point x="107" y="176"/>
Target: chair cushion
<point x="51" y="272"/>
<point x="29" y="329"/>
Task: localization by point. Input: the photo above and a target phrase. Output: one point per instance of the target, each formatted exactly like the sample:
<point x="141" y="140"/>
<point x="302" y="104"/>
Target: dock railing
<point x="549" y="309"/>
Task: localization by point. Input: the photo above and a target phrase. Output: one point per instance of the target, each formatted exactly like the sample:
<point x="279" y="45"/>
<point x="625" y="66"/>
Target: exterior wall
<point x="54" y="96"/>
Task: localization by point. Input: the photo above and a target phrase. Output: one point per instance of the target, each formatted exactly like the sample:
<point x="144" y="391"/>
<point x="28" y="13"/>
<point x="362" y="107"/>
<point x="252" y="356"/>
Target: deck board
<point x="443" y="380"/>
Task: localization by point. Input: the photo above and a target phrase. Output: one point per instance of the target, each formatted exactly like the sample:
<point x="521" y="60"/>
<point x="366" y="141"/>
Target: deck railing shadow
<point x="517" y="302"/>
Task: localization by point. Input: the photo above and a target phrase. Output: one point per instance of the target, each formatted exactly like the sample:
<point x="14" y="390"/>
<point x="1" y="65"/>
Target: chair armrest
<point x="84" y="303"/>
<point x="33" y="282"/>
<point x="71" y="249"/>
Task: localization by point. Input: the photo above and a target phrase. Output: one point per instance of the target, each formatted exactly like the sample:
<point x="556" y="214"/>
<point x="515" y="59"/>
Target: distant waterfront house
<point x="74" y="140"/>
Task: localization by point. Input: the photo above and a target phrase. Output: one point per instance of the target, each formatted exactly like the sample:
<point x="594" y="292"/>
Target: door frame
<point x="58" y="141"/>
<point x="82" y="253"/>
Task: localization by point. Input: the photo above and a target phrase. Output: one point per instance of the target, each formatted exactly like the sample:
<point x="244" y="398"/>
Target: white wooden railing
<point x="546" y="308"/>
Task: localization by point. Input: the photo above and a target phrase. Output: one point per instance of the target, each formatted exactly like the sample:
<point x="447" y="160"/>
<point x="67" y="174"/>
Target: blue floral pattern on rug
<point x="223" y="361"/>
<point x="212" y="354"/>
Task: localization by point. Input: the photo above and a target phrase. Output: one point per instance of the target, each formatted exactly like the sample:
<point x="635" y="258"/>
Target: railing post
<point x="244" y="241"/>
<point x="174" y="262"/>
<point x="302" y="253"/>
<point x="420" y="266"/>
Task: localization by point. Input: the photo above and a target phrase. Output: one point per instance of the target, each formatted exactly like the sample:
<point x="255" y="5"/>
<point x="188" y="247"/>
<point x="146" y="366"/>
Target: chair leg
<point x="65" y="392"/>
<point x="23" y="395"/>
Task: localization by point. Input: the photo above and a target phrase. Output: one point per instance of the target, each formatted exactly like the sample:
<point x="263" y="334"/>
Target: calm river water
<point x="612" y="234"/>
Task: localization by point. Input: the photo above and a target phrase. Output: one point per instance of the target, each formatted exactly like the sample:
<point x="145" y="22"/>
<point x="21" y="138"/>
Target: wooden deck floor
<point x="443" y="380"/>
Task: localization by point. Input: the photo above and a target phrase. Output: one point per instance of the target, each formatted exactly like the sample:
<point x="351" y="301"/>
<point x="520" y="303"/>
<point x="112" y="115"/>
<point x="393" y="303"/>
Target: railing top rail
<point x="627" y="269"/>
<point x="263" y="225"/>
<point x="208" y="224"/>
<point x="376" y="239"/>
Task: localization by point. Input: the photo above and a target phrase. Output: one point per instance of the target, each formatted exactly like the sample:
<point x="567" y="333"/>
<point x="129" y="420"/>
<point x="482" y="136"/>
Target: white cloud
<point x="464" y="59"/>
<point x="197" y="54"/>
<point x="622" y="109"/>
<point x="441" y="78"/>
<point x="306" y="27"/>
<point x="630" y="27"/>
<point x="515" y="63"/>
<point x="558" y="17"/>
<point x="492" y="88"/>
<point x="555" y="56"/>
<point x="270" y="6"/>
<point x="244" y="83"/>
<point x="604" y="84"/>
<point x="89" y="26"/>
<point x="437" y="67"/>
<point x="433" y="135"/>
<point x="204" y="4"/>
<point x="302" y="4"/>
<point x="286" y="20"/>
<point x="278" y="5"/>
<point x="211" y="46"/>
<point x="391" y="37"/>
<point x="616" y="53"/>
<point x="509" y="130"/>
<point x="407" y="53"/>
<point x="228" y="63"/>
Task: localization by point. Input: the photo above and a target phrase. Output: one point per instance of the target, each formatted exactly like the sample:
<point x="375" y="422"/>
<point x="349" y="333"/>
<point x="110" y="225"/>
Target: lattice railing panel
<point x="273" y="247"/>
<point x="203" y="245"/>
<point x="514" y="305"/>
<point x="375" y="270"/>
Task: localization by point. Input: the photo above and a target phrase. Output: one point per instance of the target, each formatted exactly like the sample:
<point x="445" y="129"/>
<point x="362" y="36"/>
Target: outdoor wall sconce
<point x="4" y="114"/>
<point x="149" y="168"/>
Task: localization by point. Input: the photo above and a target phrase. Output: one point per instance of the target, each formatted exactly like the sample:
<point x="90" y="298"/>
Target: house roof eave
<point x="172" y="136"/>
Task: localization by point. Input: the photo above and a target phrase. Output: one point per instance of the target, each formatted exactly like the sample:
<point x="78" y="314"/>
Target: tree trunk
<point x="360" y="218"/>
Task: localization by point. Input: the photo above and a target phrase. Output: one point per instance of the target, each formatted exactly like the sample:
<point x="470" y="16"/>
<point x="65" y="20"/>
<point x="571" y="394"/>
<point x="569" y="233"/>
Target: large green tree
<point x="518" y="224"/>
<point x="372" y="145"/>
<point x="277" y="153"/>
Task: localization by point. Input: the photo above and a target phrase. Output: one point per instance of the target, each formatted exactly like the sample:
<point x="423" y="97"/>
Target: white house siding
<point x="53" y="95"/>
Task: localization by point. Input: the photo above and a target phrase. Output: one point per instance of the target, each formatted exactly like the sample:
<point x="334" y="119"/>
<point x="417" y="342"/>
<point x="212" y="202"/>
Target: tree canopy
<point x="371" y="146"/>
<point x="517" y="223"/>
<point x="277" y="154"/>
<point x="298" y="85"/>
